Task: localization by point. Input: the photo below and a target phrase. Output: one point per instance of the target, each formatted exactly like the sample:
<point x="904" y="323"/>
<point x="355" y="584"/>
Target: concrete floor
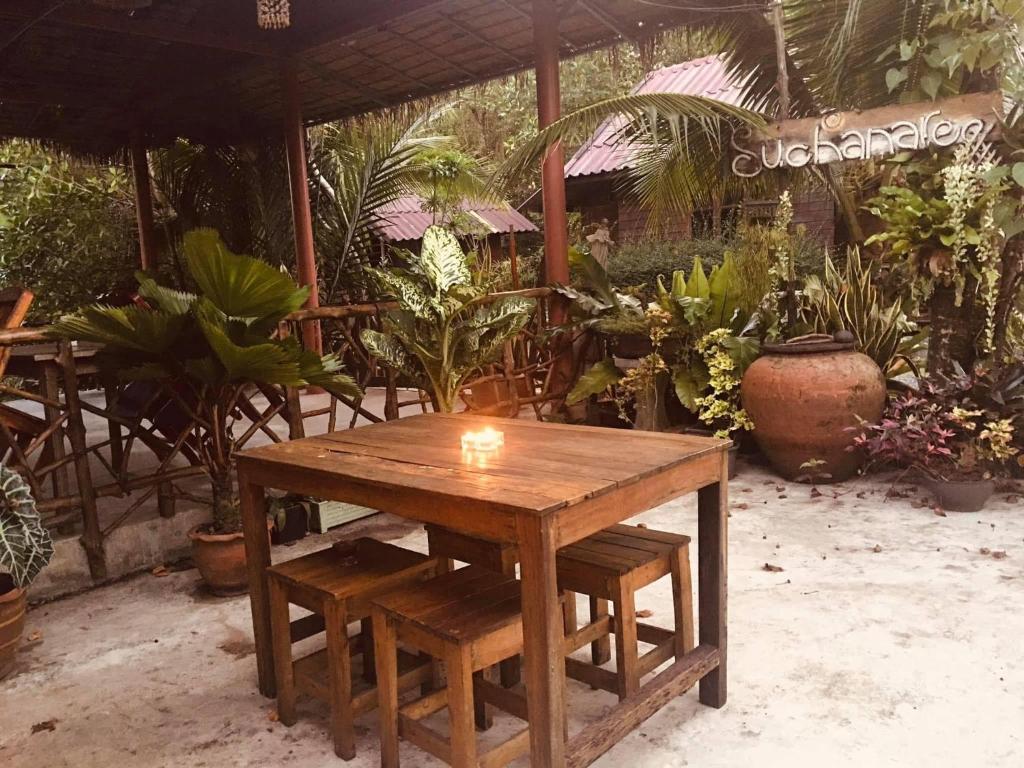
<point x="892" y="636"/>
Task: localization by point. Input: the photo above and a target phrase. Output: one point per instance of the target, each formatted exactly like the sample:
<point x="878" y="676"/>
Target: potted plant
<point x="943" y="431"/>
<point x="25" y="548"/>
<point x="698" y="337"/>
<point x="445" y="329"/>
<point x="206" y="349"/>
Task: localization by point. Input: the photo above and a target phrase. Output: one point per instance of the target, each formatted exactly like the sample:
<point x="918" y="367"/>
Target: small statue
<point x="601" y="243"/>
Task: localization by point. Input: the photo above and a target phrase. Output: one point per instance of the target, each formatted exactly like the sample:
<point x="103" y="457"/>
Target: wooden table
<point x="550" y="485"/>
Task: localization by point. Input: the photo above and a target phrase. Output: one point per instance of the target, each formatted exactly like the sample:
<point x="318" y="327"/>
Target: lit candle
<point x="487" y="439"/>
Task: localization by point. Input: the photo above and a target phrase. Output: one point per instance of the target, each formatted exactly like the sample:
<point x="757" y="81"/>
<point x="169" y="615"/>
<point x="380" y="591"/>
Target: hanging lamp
<point x="273" y="14"/>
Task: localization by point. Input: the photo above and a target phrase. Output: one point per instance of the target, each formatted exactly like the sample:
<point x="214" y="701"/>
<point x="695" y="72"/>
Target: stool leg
<point x="569" y="621"/>
<point x="280" y="623"/>
<point x="626" y="650"/>
<point x="600" y="649"/>
<point x="481" y="710"/>
<point x="460" y="708"/>
<point x="339" y="665"/>
<point x="386" y="654"/>
<point x="682" y="599"/>
<point x="511" y="668"/>
<point x="366" y="632"/>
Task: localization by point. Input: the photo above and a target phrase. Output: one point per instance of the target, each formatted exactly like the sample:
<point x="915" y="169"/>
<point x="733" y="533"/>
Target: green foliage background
<point x="67" y="227"/>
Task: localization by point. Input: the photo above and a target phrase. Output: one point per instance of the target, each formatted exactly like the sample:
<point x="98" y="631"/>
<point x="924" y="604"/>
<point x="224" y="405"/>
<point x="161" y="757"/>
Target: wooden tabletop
<point x="541" y="468"/>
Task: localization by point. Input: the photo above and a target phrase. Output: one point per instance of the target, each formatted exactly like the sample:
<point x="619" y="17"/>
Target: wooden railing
<point x="146" y="449"/>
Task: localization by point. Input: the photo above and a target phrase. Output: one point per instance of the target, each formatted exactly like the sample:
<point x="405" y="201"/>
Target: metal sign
<point x="869" y="133"/>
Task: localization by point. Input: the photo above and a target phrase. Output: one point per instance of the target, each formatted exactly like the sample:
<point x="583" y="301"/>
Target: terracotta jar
<point x="220" y="558"/>
<point x="802" y="396"/>
<point x="12" y="624"/>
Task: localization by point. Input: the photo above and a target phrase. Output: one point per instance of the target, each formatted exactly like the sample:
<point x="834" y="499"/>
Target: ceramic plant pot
<point x="12" y="623"/>
<point x="961" y="495"/>
<point x="220" y="558"/>
<point x="803" y="397"/>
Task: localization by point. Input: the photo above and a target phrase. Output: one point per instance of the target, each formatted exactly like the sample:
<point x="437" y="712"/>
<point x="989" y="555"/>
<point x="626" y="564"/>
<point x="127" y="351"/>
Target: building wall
<point x="813" y="209"/>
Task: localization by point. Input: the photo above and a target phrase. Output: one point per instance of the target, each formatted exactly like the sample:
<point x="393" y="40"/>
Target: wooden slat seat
<point x="497" y="556"/>
<point x="471" y="620"/>
<point x="337" y="585"/>
<point x="610" y="566"/>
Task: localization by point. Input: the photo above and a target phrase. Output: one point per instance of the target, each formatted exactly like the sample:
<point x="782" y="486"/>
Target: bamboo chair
<point x="18" y="430"/>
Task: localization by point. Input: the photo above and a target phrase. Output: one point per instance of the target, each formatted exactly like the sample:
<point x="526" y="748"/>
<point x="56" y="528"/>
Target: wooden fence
<point x="134" y="441"/>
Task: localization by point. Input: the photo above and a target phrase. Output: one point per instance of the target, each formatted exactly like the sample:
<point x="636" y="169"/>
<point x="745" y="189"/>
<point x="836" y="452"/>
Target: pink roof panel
<point x="405" y="219"/>
<point x="708" y="77"/>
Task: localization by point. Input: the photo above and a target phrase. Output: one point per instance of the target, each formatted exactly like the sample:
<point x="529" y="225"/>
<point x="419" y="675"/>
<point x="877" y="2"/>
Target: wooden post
<point x="712" y="569"/>
<point x="143" y="201"/>
<point x="556" y="225"/>
<point x="302" y="218"/>
<point x="92" y="535"/>
<point x="513" y="258"/>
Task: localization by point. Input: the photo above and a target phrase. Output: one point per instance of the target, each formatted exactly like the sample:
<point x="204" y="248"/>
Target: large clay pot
<point x="220" y="558"/>
<point x="12" y="624"/>
<point x="803" y="397"/>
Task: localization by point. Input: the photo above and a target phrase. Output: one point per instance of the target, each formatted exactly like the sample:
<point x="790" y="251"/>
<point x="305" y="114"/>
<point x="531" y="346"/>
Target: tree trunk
<point x="226" y="517"/>
<point x="954" y="330"/>
<point x="1011" y="280"/>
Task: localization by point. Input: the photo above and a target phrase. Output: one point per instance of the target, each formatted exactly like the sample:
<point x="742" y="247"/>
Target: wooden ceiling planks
<point x="208" y="73"/>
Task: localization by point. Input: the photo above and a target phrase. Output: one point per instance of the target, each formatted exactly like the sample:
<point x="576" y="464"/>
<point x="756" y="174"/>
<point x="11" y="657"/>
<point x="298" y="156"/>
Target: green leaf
<point x="931" y="82"/>
<point x="601" y="375"/>
<point x="389" y="351"/>
<point x="239" y="286"/>
<point x="1018" y="173"/>
<point x="167" y="299"/>
<point x="690" y="383"/>
<point x="25" y="544"/>
<point x="270" y="362"/>
<point x="697" y="286"/>
<point x="743" y="350"/>
<point x="442" y="261"/>
<point x="894" y="78"/>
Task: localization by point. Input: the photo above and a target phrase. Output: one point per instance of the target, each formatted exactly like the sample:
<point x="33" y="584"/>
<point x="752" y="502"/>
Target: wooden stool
<point x="337" y="584"/>
<point x="495" y="556"/>
<point x="471" y="620"/>
<point x="611" y="566"/>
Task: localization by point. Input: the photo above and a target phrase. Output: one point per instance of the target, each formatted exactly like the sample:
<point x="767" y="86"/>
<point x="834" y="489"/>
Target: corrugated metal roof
<point x="700" y="77"/>
<point x="405" y="219"/>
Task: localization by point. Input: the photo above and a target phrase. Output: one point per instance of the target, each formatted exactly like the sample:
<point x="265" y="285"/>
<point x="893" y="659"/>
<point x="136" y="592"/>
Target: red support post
<point x="143" y="201"/>
<point x="302" y="217"/>
<point x="549" y="110"/>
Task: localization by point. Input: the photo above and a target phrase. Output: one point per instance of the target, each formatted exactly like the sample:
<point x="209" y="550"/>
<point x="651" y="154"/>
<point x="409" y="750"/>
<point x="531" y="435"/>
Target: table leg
<point x="542" y="640"/>
<point x="712" y="553"/>
<point x="253" y="508"/>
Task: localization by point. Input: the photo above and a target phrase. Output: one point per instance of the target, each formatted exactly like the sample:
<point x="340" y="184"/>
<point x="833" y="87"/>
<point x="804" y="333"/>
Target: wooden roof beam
<point x="606" y="18"/>
<point x="376" y="14"/>
<point x="119" y="23"/>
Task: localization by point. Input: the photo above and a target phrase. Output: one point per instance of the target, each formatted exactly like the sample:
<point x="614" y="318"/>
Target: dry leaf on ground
<point x="773" y="568"/>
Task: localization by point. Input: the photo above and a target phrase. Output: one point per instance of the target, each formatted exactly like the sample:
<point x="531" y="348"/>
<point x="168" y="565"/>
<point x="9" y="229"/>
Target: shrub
<point x="67" y="228"/>
<point x="639" y="264"/>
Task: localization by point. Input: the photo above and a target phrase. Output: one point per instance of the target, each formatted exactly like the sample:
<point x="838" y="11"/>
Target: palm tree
<point x="358" y="167"/>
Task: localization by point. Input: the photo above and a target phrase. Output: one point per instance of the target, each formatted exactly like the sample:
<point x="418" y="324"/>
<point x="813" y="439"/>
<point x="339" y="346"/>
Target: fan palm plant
<point x="207" y="348"/>
<point x="446" y="328"/>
